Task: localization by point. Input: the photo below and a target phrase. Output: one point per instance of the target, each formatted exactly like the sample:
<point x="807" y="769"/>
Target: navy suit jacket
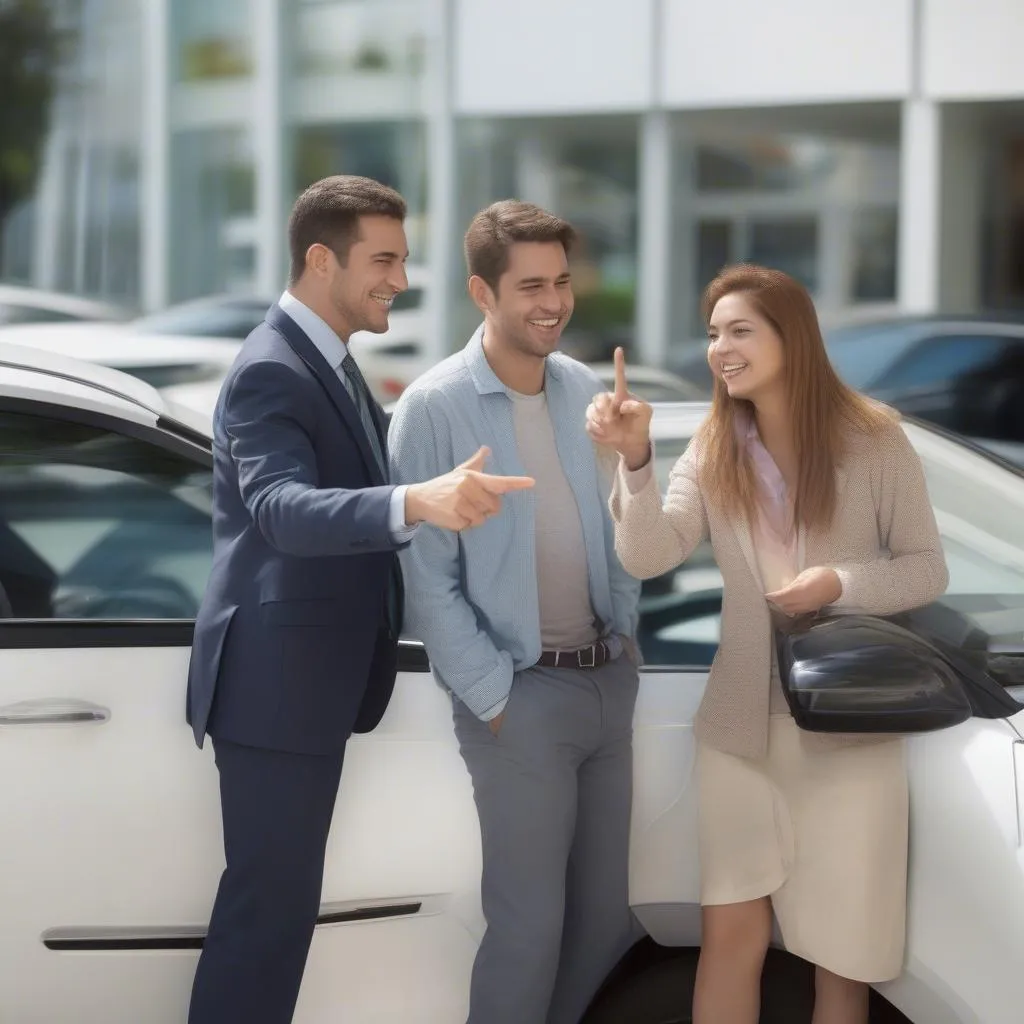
<point x="294" y="644"/>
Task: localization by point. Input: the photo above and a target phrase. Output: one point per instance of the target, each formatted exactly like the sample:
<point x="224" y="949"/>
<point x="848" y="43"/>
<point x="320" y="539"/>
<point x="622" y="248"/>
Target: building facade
<point x="875" y="150"/>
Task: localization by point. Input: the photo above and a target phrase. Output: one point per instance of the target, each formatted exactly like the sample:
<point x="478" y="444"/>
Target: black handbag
<point x="868" y="674"/>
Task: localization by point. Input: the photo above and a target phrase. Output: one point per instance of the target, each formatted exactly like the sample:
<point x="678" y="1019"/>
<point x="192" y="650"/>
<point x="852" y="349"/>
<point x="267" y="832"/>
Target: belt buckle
<point x="593" y="656"/>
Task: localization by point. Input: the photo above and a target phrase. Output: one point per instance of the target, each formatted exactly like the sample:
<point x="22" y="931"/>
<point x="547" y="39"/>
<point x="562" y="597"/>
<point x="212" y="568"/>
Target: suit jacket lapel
<point x="312" y="357"/>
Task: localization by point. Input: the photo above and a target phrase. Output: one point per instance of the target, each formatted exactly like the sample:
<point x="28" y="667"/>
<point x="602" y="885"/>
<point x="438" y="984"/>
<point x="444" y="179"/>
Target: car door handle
<point x="54" y="711"/>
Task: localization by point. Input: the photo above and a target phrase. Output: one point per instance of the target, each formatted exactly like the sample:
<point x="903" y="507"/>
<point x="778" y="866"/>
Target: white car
<point x="389" y="361"/>
<point x="20" y="305"/>
<point x="235" y="316"/>
<point x="111" y="827"/>
<point x="651" y="384"/>
<point x="189" y="369"/>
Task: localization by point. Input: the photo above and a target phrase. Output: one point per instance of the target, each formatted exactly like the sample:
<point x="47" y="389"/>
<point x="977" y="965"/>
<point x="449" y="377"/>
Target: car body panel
<point x="112" y="828"/>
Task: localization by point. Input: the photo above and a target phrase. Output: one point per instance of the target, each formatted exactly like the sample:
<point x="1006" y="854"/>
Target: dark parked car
<point x="963" y="373"/>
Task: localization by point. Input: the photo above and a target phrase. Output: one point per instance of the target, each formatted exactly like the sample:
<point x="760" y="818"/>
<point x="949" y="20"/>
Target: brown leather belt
<point x="594" y="656"/>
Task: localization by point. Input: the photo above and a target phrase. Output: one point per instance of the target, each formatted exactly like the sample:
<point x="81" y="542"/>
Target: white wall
<point x="752" y="52"/>
<point x="553" y="56"/>
<point x="973" y="48"/>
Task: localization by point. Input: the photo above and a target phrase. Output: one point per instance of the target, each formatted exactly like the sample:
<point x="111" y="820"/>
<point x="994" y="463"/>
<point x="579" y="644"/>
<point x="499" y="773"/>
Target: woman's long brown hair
<point x="822" y="406"/>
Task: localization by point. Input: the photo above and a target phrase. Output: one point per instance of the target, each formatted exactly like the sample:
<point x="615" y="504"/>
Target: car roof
<point x="46" y="377"/>
<point x="58" y="302"/>
<point x="119" y="344"/>
<point x="945" y="322"/>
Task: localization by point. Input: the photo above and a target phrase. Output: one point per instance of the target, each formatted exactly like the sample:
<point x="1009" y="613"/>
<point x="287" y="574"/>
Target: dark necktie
<point x="360" y="395"/>
<point x="359" y="392"/>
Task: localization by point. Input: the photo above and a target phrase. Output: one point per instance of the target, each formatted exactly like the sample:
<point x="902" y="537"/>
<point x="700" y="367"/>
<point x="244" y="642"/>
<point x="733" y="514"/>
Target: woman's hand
<point x="621" y="420"/>
<point x="809" y="592"/>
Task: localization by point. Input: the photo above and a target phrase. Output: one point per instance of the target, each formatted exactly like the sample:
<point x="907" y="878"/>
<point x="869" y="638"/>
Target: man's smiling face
<point x="363" y="288"/>
<point x="534" y="298"/>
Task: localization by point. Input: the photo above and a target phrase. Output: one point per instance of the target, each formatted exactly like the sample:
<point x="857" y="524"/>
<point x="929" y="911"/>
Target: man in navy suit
<point x="296" y="641"/>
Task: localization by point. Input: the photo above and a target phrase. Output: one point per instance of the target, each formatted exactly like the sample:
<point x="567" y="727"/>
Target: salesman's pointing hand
<point x="621" y="420"/>
<point x="465" y="497"/>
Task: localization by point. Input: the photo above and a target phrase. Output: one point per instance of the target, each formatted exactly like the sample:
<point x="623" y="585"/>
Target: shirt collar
<point x="331" y="347"/>
<point x="485" y="379"/>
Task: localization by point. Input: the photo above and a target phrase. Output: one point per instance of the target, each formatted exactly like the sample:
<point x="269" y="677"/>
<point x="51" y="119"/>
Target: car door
<point x="111" y="841"/>
<point x="678" y="635"/>
<point x="966" y="893"/>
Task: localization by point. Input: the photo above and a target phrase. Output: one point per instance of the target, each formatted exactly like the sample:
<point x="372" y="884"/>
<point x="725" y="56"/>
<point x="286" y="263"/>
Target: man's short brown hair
<point x="328" y="213"/>
<point x="495" y="230"/>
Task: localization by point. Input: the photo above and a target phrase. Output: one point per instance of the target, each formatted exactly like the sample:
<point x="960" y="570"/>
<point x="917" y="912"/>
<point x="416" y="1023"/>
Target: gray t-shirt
<point x="567" y="618"/>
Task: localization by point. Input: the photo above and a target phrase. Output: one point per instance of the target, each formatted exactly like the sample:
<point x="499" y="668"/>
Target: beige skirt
<point x="824" y="834"/>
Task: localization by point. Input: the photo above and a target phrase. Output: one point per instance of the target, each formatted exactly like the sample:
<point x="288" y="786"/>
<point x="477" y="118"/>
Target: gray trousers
<point x="553" y="791"/>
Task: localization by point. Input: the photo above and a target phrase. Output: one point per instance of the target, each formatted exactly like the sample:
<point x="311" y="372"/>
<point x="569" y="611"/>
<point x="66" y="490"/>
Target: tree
<point x="28" y="70"/>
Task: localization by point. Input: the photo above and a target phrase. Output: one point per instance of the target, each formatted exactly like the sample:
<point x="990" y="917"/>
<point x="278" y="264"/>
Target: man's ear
<point x="481" y="294"/>
<point x="318" y="258"/>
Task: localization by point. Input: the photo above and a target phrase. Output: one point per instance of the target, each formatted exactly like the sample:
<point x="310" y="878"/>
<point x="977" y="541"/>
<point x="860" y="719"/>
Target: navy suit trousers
<point x="277" y="809"/>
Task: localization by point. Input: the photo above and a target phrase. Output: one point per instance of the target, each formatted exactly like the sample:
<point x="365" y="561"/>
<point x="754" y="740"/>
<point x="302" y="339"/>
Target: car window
<point x="411" y="298"/>
<point x="935" y="360"/>
<point x="863" y="355"/>
<point x="979" y="508"/>
<point x="680" y="611"/>
<point x="231" y="320"/>
<point x="97" y="525"/>
<point x="19" y="314"/>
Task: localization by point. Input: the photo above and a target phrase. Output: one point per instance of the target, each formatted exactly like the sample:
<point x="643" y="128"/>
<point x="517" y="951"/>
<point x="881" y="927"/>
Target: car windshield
<point x="861" y="355"/>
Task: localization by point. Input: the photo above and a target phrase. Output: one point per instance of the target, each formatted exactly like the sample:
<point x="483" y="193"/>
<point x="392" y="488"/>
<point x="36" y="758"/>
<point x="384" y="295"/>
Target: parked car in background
<point x="964" y="373"/>
<point x="112" y="840"/>
<point x="192" y="366"/>
<point x="650" y="383"/>
<point x="235" y="316"/>
<point x="32" y="305"/>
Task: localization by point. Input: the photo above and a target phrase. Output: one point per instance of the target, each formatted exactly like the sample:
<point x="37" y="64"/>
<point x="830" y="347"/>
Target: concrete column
<point x="918" y="281"/>
<point x="443" y="238"/>
<point x="655" y="271"/>
<point x="941" y="208"/>
<point x="270" y="150"/>
<point x="49" y="209"/>
<point x="961" y="205"/>
<point x="537" y="171"/>
<point x="155" y="156"/>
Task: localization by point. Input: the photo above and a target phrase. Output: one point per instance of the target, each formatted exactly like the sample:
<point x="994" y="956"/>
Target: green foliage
<point x="606" y="307"/>
<point x="29" y="54"/>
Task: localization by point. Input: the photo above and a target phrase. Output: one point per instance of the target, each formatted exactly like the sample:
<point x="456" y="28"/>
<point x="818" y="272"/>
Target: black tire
<point x="662" y="993"/>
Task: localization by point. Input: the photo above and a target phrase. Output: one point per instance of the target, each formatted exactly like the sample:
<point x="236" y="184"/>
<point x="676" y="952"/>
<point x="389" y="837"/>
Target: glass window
<point x="585" y="169"/>
<point x="773" y="163"/>
<point x="359" y="37"/>
<point x="97" y="525"/>
<point x="789" y="244"/>
<point x="392" y="152"/>
<point x="715" y="248"/>
<point x="873" y="271"/>
<point x="214" y="212"/>
<point x="212" y="40"/>
<point x="798" y="192"/>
